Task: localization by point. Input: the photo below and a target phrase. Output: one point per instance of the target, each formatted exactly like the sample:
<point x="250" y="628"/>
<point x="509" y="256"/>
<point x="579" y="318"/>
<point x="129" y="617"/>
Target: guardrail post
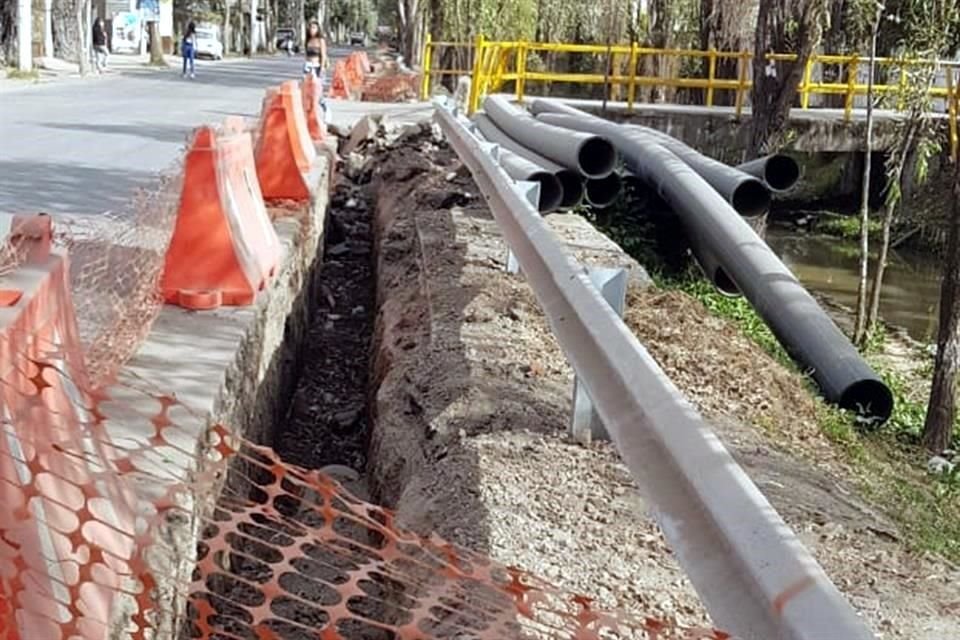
<point x="530" y="191"/>
<point x="805" y="87"/>
<point x="951" y="112"/>
<point x="742" y="64"/>
<point x="852" y="67"/>
<point x="427" y="60"/>
<point x="711" y="74"/>
<point x="474" y="102"/>
<point x="521" y="70"/>
<point x="632" y="83"/>
<point x="902" y="87"/>
<point x="586" y="424"/>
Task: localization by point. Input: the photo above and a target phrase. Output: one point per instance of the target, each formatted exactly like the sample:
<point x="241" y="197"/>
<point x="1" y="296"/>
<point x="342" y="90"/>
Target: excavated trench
<point x="327" y="424"/>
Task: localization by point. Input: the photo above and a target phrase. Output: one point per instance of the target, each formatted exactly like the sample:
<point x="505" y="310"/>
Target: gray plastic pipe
<point x="570" y="181"/>
<point x="603" y="192"/>
<point x="795" y="318"/>
<point x="778" y="172"/>
<point x="748" y="195"/>
<point x="519" y="168"/>
<point x="593" y="156"/>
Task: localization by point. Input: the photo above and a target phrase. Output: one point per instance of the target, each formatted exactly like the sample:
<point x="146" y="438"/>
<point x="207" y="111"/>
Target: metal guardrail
<point x="494" y="63"/>
<point x="752" y="573"/>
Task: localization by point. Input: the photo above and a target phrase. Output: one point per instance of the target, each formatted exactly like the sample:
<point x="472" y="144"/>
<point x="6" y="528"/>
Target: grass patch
<point x="17" y="74"/>
<point x="848" y="227"/>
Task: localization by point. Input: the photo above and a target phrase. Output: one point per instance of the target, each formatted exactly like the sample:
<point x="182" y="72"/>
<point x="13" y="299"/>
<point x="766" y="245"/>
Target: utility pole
<point x="24" y="35"/>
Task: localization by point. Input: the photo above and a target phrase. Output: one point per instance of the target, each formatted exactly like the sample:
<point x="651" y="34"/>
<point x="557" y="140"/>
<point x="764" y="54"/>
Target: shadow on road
<point x="150" y="130"/>
<point x="67" y="188"/>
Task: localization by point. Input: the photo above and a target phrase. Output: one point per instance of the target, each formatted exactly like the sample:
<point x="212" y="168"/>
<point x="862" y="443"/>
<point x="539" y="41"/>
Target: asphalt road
<point x="84" y="146"/>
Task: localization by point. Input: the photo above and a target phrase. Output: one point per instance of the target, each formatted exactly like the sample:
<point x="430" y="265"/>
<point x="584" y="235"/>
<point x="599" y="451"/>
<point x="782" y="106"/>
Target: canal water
<point x="830" y="266"/>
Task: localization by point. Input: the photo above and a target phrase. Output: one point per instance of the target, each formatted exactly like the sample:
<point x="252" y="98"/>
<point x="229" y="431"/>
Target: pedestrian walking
<point x="188" y="49"/>
<point x="100" y="51"/>
<point x="317" y="61"/>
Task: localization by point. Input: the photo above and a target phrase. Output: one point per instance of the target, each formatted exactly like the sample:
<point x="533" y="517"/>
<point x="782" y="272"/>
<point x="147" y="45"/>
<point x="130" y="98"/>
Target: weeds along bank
<point x="888" y="466"/>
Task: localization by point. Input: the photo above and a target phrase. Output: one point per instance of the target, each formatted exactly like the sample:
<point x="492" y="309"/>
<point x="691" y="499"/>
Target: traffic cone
<point x="285" y="153"/>
<point x="223" y="248"/>
<point x="338" y="87"/>
<point x="312" y="94"/>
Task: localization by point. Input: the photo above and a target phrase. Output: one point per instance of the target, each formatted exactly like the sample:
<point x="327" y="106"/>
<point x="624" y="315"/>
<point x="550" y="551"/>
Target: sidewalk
<point x="51" y="70"/>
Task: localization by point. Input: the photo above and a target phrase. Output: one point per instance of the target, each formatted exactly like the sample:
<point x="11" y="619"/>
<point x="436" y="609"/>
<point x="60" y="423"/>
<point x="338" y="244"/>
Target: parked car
<point x="358" y="39"/>
<point x="208" y="43"/>
<point x="287" y="41"/>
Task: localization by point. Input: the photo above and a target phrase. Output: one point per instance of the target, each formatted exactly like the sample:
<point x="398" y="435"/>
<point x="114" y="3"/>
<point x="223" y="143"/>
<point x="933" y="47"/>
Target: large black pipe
<point x="795" y="318"/>
<point x="748" y="195"/>
<point x="519" y="168"/>
<point x="570" y="181"/>
<point x="778" y="172"/>
<point x="593" y="156"/>
<point x="603" y="192"/>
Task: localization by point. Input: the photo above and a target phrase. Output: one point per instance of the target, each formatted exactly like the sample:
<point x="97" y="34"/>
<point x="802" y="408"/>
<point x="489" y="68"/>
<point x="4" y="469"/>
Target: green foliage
<point x="847" y="227"/>
<point x="15" y="74"/>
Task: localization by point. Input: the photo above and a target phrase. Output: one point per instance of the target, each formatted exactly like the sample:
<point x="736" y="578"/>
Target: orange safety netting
<point x="101" y="478"/>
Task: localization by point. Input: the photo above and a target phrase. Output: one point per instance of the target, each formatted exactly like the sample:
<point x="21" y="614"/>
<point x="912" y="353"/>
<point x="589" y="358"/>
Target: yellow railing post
<point x="952" y="113"/>
<point x="852" y="67"/>
<point x="427" y="60"/>
<point x="711" y="74"/>
<point x="742" y="64"/>
<point x="902" y="87"/>
<point x="632" y="85"/>
<point x="474" y="101"/>
<point x="805" y="88"/>
<point x="521" y="70"/>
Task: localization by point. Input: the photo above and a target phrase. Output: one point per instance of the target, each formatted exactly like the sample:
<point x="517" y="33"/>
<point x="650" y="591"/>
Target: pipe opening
<point x="870" y="399"/>
<point x="572" y="187"/>
<point x="597" y="157"/>
<point x="781" y="172"/>
<point x="603" y="192"/>
<point x="724" y="283"/>
<point x="551" y="193"/>
<point x="751" y="198"/>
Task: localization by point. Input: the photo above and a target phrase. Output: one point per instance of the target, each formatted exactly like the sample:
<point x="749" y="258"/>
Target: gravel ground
<point x="472" y="402"/>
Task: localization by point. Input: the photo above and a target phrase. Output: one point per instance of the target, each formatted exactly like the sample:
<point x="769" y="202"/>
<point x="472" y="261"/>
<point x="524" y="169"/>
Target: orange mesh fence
<point x="101" y="479"/>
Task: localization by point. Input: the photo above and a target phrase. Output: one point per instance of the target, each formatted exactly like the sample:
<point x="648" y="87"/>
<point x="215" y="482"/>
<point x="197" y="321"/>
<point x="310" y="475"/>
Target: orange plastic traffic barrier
<point x="224" y="248"/>
<point x="234" y="124"/>
<point x="312" y="93"/>
<point x="58" y="576"/>
<point x="285" y="153"/>
<point x="338" y="86"/>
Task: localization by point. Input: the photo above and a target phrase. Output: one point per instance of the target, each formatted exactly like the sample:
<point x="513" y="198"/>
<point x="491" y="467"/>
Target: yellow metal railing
<point x="496" y="63"/>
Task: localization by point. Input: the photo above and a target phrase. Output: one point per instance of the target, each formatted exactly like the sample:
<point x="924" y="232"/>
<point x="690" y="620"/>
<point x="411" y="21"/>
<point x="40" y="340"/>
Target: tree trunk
<point x="782" y="26"/>
<point x="83" y="39"/>
<point x="227" y="31"/>
<point x="889" y="214"/>
<point x="156" y="47"/>
<point x="860" y="329"/>
<point x="941" y="411"/>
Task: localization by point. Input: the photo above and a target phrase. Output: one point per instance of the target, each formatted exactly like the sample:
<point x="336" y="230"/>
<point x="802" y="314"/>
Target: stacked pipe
<point x="582" y="165"/>
<point x="712" y="201"/>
